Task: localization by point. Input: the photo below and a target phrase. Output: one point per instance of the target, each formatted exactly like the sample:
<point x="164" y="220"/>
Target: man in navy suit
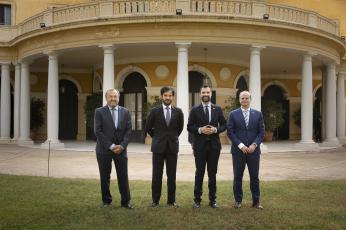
<point x="164" y="124"/>
<point x="112" y="127"/>
<point x="206" y="122"/>
<point x="245" y="128"/>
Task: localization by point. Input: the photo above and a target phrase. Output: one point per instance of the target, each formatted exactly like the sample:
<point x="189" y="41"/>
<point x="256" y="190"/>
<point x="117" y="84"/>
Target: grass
<point x="47" y="203"/>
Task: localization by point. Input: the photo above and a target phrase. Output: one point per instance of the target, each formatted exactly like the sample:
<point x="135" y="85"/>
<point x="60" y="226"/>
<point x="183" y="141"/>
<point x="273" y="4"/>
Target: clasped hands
<point x="117" y="149"/>
<point x="208" y="130"/>
<point x="248" y="150"/>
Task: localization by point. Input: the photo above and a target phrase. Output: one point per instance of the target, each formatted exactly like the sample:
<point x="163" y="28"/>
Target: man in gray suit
<point x="112" y="127"/>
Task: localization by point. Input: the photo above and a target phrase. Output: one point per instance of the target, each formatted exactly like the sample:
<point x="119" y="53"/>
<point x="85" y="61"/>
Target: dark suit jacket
<point x="238" y="133"/>
<point x="162" y="134"/>
<point x="197" y="119"/>
<point x="106" y="133"/>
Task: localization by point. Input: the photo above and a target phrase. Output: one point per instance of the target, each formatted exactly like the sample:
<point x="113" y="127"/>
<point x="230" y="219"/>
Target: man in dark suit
<point x="112" y="127"/>
<point x="206" y="121"/>
<point x="164" y="124"/>
<point x="245" y="128"/>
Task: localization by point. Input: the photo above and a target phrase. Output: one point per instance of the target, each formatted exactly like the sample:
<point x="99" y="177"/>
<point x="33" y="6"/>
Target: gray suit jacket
<point x="107" y="134"/>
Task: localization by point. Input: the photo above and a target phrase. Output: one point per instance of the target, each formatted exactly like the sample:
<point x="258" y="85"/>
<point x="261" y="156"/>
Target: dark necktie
<point x="168" y="116"/>
<point x="206" y="111"/>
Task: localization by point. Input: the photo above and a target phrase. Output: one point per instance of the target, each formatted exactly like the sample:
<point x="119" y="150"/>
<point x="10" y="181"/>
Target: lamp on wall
<point x="265" y="16"/>
<point x="343" y="38"/>
<point x="42" y="24"/>
<point x="178" y="11"/>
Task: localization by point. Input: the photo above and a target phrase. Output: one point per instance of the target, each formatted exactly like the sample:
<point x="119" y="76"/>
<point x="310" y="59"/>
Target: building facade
<point x="64" y="52"/>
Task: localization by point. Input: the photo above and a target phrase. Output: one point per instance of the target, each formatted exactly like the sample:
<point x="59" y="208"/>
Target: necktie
<point x="114" y="117"/>
<point x="168" y="116"/>
<point x="206" y="111"/>
<point x="246" y="118"/>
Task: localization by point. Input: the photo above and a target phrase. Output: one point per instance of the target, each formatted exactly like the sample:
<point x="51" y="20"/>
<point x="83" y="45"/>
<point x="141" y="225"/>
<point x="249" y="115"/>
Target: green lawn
<point x="46" y="203"/>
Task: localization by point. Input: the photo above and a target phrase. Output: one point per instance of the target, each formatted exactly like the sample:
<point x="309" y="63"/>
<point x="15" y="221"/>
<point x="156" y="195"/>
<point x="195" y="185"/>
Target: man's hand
<point x="118" y="149"/>
<point x="245" y="149"/>
<point x="208" y="130"/>
<point x="252" y="148"/>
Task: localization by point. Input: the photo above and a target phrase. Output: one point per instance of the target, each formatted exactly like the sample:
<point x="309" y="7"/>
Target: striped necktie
<point x="246" y="117"/>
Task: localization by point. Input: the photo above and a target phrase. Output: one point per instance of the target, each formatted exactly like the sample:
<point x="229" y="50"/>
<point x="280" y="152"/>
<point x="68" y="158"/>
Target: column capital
<point x="108" y="47"/>
<point x="51" y="53"/>
<point x="182" y="44"/>
<point x="342" y="74"/>
<point x="257" y="48"/>
<point x="4" y="63"/>
<point x="310" y="54"/>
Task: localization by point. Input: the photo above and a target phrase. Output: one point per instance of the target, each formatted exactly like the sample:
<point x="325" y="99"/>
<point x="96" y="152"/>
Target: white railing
<point x="288" y="14"/>
<point x="134" y="8"/>
<point x="229" y="7"/>
<point x="31" y="24"/>
<point x="143" y="7"/>
<point x="76" y="13"/>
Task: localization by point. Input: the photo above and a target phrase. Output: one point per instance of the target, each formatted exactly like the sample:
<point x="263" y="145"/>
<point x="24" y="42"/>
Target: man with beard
<point x="164" y="124"/>
<point x="206" y="121"/>
<point x="112" y="127"/>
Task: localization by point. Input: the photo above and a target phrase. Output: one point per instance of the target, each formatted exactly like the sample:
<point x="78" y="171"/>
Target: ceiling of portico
<point x="273" y="60"/>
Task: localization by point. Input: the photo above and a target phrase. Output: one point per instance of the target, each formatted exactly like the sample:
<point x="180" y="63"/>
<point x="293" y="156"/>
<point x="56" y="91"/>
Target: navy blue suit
<point x="239" y="133"/>
<point x="106" y="135"/>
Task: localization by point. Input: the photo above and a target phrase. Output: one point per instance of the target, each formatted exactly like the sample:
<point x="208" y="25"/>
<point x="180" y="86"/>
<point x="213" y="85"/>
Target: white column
<point x="108" y="69"/>
<point x="331" y="140"/>
<point x="340" y="115"/>
<point x="24" y="130"/>
<point x="255" y="77"/>
<point x="53" y="103"/>
<point x="324" y="101"/>
<point x="306" y="141"/>
<point x="255" y="82"/>
<point x="5" y="103"/>
<point x="183" y="86"/>
<point x="16" y="108"/>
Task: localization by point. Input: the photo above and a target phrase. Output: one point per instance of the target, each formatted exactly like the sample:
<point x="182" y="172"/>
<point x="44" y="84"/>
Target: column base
<point x="25" y="142"/>
<point x="5" y="140"/>
<point x="342" y="140"/>
<point x="310" y="146"/>
<point x="331" y="143"/>
<point x="54" y="144"/>
<point x="264" y="148"/>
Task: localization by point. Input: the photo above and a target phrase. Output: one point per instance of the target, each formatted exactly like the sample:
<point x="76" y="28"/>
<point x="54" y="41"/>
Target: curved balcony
<point x="147" y="9"/>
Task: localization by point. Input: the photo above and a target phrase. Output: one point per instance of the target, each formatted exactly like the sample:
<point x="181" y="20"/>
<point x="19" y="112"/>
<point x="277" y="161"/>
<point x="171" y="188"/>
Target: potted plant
<point x="36" y="114"/>
<point x="273" y="115"/>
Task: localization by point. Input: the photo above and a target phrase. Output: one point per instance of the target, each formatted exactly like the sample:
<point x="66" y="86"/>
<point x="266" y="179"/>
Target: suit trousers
<point x="171" y="169"/>
<point x="105" y="167"/>
<point x="210" y="158"/>
<point x="252" y="162"/>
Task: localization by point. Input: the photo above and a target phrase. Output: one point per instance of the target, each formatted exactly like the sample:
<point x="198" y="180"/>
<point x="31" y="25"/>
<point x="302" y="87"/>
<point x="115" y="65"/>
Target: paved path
<point x="328" y="164"/>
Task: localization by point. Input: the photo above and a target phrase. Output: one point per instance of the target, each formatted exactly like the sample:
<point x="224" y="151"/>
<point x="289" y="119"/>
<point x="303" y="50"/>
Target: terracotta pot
<point x="268" y="136"/>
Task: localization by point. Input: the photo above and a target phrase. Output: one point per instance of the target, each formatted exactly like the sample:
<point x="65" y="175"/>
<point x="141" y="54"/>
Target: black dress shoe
<point x="174" y="205"/>
<point x="196" y="205"/>
<point x="237" y="205"/>
<point x="155" y="204"/>
<point x="257" y="205"/>
<point x="213" y="205"/>
<point x="127" y="206"/>
<point x="106" y="205"/>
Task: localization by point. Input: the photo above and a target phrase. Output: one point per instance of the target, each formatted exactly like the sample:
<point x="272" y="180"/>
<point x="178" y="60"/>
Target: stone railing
<point x="75" y="13"/>
<point x="144" y="7"/>
<point x="113" y="9"/>
<point x="232" y="8"/>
